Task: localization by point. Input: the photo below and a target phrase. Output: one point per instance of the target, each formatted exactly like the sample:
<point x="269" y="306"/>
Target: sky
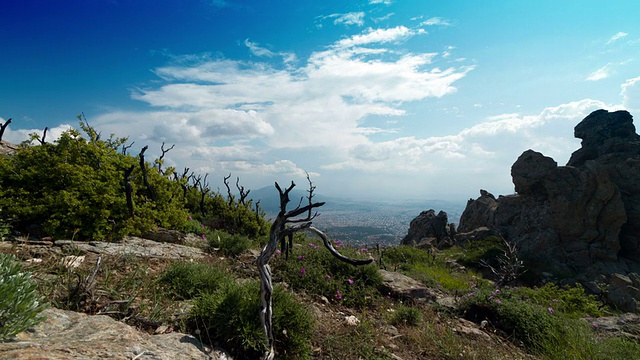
<point x="375" y="99"/>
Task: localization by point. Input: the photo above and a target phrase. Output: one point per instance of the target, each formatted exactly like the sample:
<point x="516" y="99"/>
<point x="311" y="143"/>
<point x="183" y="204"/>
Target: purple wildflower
<point x="364" y="250"/>
<point x="338" y="295"/>
<point x="498" y="301"/>
<point x="204" y="236"/>
<point x="303" y="272"/>
<point x="278" y="252"/>
<point x="189" y="217"/>
<point x="351" y="282"/>
<point x="328" y="277"/>
<point x="550" y="310"/>
<point x="300" y="257"/>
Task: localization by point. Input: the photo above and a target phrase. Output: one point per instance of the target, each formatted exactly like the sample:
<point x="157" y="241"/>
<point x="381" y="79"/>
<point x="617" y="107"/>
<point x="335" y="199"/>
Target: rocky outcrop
<point x="67" y="335"/>
<point x="427" y="229"/>
<point x="577" y="221"/>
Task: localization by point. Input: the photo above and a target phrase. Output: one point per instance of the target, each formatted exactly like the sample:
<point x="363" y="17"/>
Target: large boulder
<point x="427" y="228"/>
<point x="66" y="335"/>
<point x="577" y="221"/>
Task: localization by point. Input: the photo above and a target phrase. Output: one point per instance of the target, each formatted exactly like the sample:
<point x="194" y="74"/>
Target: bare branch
<point x="243" y="194"/>
<point x="164" y="152"/>
<point x="3" y="127"/>
<point x="126" y="147"/>
<point x="44" y="135"/>
<point x="229" y="195"/>
<point x="283" y="235"/>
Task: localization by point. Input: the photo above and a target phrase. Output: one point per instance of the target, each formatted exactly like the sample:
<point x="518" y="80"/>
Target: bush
<point x="186" y="280"/>
<point x="572" y="301"/>
<point x="231" y="245"/>
<point x="19" y="302"/>
<point x="230" y="318"/>
<point x="406" y="315"/>
<point x="528" y="323"/>
<point x="76" y="186"/>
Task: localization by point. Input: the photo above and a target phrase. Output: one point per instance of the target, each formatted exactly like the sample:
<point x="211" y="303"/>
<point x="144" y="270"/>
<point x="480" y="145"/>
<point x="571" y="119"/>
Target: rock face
<point x="577" y="221"/>
<point x="427" y="229"/>
<point x="67" y="335"/>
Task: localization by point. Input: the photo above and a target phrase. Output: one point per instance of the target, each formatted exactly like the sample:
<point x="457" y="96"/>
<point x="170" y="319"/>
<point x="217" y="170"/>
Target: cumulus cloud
<point x="246" y="116"/>
<point x="498" y="140"/>
<point x="386" y="2"/>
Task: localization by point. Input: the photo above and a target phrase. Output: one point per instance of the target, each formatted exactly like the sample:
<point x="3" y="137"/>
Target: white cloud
<point x="631" y="95"/>
<point x="386" y="2"/>
<point x="20" y="135"/>
<point x="617" y="37"/>
<point x="485" y="147"/>
<point x="436" y="21"/>
<point x="602" y="73"/>
<point x="246" y="116"/>
<point x="353" y="18"/>
<point x="257" y="50"/>
<point x="383" y="18"/>
<point x="380" y="36"/>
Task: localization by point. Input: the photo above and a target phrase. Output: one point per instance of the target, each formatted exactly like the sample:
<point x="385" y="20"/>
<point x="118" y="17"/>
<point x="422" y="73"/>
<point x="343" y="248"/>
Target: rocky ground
<point x="76" y="335"/>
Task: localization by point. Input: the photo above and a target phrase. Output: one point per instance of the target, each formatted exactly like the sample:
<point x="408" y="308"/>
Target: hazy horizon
<point x="376" y="99"/>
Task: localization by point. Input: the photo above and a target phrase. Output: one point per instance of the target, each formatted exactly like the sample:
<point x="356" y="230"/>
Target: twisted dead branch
<point x="281" y="231"/>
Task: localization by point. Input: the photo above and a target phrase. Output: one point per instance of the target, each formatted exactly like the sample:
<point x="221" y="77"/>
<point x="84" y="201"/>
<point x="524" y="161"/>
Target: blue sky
<point x="378" y="99"/>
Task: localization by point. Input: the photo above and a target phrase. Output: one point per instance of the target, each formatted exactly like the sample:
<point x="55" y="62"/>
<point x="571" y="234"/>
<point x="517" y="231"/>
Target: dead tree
<point x="509" y="268"/>
<point x="204" y="190"/>
<point x="44" y="135"/>
<point x="283" y="227"/>
<point x="126" y="147"/>
<point x="243" y="194"/>
<point x="183" y="180"/>
<point x="145" y="178"/>
<point x="229" y="194"/>
<point x="164" y="152"/>
<point x="3" y="127"/>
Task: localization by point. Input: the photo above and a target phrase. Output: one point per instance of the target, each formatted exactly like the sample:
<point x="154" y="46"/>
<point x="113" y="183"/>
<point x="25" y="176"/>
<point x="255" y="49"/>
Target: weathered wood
<point x="280" y="233"/>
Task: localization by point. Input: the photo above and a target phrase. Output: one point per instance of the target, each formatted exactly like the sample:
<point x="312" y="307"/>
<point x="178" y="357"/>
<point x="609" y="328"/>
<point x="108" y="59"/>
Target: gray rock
<point x="576" y="221"/>
<point x="67" y="335"/>
<point x="627" y="325"/>
<point x="427" y="225"/>
<point x="404" y="287"/>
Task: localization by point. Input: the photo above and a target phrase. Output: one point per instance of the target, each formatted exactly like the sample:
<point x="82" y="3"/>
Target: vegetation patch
<point x="20" y="303"/>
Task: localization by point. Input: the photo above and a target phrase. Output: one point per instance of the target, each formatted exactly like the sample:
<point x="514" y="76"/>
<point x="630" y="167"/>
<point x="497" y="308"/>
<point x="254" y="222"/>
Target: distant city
<point x="363" y="223"/>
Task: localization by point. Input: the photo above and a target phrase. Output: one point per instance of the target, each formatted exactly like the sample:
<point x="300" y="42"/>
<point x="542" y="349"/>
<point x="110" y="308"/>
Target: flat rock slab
<point x="138" y="247"/>
<point x="67" y="335"/>
<point x="403" y="286"/>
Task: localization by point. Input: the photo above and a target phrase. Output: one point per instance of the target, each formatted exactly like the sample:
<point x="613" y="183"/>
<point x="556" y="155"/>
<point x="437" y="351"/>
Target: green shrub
<point x="406" y="315"/>
<point x="406" y="255"/>
<point x="572" y="301"/>
<point x="76" y="186"/>
<point x="186" y="280"/>
<point x="487" y="249"/>
<point x="313" y="269"/>
<point x="230" y="318"/>
<point x="19" y="302"/>
<point x="528" y="323"/>
<point x="232" y="245"/>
